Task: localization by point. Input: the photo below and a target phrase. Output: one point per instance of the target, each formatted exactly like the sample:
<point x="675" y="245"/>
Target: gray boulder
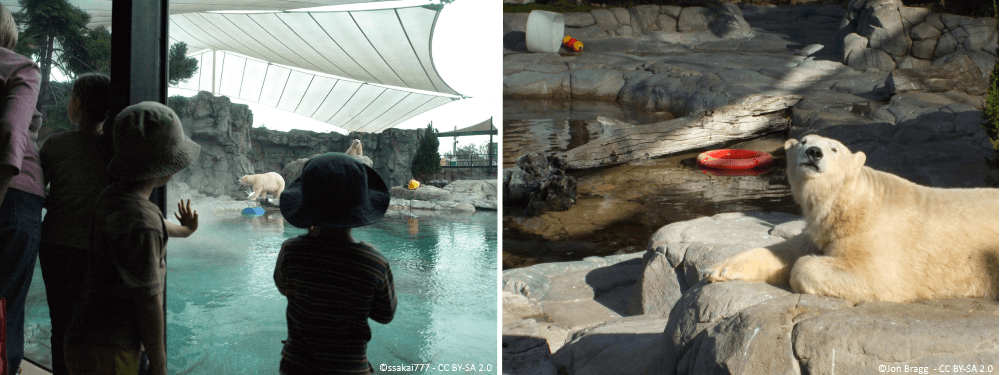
<point x="533" y="84"/>
<point x="578" y="19"/>
<point x="422" y="193"/>
<point x="479" y="193"/>
<point x="882" y="24"/>
<point x="673" y="11"/>
<point x="617" y="347"/>
<point x="596" y="83"/>
<point x="223" y="131"/>
<point x="924" y="31"/>
<point x="643" y="18"/>
<point x="923" y="49"/>
<point x="727" y="22"/>
<point x="605" y="19"/>
<point x="853" y="44"/>
<point x="870" y="58"/>
<point x="755" y="328"/>
<point x="293" y="170"/>
<point x="693" y="19"/>
<point x="946" y="44"/>
<point x="957" y="73"/>
<point x="666" y="23"/>
<point x="525" y="351"/>
<point x="622" y="16"/>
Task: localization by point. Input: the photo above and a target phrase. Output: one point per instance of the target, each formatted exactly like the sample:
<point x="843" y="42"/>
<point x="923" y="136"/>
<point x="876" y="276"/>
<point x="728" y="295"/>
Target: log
<point x="614" y="142"/>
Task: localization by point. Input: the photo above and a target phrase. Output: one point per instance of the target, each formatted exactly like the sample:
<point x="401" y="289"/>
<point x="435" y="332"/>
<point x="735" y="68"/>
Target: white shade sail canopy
<point x="349" y="104"/>
<point x="100" y="10"/>
<point x="363" y="70"/>
<point x="387" y="46"/>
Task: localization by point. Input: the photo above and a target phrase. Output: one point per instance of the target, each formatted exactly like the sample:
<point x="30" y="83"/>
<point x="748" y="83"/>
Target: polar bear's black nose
<point x="814" y="154"/>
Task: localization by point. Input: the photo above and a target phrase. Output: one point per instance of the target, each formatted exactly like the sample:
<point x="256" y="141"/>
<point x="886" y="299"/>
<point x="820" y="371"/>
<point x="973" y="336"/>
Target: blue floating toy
<point x="256" y="211"/>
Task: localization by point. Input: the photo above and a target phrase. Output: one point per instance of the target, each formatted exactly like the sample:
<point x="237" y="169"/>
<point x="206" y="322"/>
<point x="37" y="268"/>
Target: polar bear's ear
<point x="791" y="142"/>
<point x="859" y="158"/>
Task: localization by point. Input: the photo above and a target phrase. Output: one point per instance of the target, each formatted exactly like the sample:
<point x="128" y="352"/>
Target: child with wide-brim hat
<point x="333" y="282"/>
<point x="121" y="309"/>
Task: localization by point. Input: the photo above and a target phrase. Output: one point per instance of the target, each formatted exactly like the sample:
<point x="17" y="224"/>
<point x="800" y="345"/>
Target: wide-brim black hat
<point x="335" y="190"/>
<point x="150" y="143"/>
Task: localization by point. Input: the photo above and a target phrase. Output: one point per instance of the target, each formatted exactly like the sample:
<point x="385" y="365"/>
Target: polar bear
<point x="873" y="236"/>
<point x="264" y="183"/>
<point x="355" y="149"/>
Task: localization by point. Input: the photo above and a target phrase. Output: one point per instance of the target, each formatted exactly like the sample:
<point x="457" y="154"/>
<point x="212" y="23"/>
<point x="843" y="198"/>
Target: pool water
<point x="618" y="208"/>
<point x="225" y="316"/>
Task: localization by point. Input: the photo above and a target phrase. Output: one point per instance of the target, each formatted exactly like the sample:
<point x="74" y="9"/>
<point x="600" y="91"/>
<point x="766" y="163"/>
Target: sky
<point x="461" y="59"/>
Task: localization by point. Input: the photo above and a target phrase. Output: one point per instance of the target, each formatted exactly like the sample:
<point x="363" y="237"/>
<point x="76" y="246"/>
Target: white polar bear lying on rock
<point x="261" y="184"/>
<point x="872" y="236"/>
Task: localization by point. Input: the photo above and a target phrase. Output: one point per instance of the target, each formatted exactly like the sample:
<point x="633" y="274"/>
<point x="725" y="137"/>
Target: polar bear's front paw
<point x="753" y="265"/>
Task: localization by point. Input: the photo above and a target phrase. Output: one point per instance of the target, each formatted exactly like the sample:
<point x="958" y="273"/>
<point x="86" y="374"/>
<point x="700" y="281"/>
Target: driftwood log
<point x="614" y="142"/>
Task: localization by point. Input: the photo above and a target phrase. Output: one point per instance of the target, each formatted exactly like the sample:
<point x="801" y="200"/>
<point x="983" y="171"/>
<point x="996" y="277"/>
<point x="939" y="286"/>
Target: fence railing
<point x="469" y="160"/>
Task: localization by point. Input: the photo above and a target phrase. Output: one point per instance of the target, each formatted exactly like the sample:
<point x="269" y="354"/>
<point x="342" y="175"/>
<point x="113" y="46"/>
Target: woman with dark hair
<point x="21" y="191"/>
<point x="75" y="168"/>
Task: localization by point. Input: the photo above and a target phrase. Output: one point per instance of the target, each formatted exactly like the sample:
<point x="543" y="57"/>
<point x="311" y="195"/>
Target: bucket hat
<point x="150" y="143"/>
<point x="335" y="190"/>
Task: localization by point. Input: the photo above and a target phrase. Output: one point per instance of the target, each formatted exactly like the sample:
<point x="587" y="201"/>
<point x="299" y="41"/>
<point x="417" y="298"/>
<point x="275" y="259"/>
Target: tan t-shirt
<point x="127" y="260"/>
<point x="75" y="167"/>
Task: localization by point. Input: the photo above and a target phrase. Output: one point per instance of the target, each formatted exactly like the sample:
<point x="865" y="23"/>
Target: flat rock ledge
<point x="651" y="313"/>
<point x="458" y="196"/>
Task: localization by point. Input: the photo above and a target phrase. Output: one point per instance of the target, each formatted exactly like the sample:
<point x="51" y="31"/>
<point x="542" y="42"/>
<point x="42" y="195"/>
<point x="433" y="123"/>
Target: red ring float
<point x="734" y="159"/>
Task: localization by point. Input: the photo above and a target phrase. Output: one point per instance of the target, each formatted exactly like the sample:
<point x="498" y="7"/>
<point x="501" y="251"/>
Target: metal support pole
<point x="139" y="66"/>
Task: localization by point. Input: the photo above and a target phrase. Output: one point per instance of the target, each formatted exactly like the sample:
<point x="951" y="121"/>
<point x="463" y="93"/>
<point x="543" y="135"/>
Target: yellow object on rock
<point x="413" y="184"/>
<point x="573" y="44"/>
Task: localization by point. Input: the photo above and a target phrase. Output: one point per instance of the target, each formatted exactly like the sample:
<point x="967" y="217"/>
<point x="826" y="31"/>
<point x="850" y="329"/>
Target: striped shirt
<point x="332" y="290"/>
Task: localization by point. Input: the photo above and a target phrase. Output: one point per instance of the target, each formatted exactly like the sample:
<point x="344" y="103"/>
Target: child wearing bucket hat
<point x="333" y="282"/>
<point x="121" y="310"/>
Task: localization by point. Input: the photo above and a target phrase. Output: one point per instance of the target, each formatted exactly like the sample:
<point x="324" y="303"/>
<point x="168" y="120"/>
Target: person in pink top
<point x="21" y="191"/>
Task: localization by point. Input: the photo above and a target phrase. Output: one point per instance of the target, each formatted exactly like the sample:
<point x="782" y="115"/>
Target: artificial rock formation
<point x="231" y="148"/>
<point x="223" y="131"/>
<point x="389" y="152"/>
<point x="885" y="34"/>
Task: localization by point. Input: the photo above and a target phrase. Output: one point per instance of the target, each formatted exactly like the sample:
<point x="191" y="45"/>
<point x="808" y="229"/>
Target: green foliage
<point x="180" y="67"/>
<point x="88" y="53"/>
<point x="990" y="120"/>
<point x="426" y="161"/>
<point x="47" y="27"/>
<point x="56" y="115"/>
<point x="560" y="6"/>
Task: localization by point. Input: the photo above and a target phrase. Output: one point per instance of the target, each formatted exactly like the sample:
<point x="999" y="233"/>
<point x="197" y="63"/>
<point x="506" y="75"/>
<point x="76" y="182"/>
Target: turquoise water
<point x="225" y="316"/>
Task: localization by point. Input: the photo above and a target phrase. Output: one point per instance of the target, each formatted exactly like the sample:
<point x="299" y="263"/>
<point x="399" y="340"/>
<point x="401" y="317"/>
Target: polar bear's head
<point x="819" y="158"/>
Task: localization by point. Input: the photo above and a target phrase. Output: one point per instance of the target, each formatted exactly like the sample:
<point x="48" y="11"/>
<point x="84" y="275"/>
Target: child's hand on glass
<point x="187" y="218"/>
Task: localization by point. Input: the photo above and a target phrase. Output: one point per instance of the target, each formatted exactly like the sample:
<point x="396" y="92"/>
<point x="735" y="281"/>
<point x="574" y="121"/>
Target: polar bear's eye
<point x="833" y="149"/>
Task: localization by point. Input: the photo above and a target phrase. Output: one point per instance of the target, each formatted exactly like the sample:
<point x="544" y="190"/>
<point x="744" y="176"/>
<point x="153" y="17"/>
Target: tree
<point x="47" y="25"/>
<point x="426" y="161"/>
<point x="180" y="67"/>
<point x="91" y="52"/>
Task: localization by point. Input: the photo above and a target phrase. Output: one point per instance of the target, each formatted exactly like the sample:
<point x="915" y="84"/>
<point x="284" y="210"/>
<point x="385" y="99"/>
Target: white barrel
<point x="544" y="32"/>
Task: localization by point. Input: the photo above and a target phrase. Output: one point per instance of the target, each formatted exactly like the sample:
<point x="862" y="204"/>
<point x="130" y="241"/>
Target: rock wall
<point x="231" y="148"/>
<point x="885" y="34"/>
<point x="651" y="22"/>
<point x="391" y="151"/>
<point x="223" y="131"/>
